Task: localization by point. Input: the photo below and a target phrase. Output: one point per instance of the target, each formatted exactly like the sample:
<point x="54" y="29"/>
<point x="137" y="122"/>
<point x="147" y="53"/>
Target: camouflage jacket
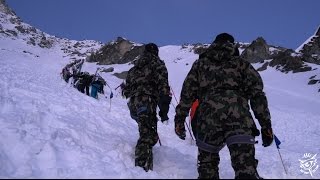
<point x="221" y="81"/>
<point x="148" y="76"/>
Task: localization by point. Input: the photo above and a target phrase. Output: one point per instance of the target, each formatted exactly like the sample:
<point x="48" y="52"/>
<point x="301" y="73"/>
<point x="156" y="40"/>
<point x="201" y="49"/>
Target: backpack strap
<point x="209" y="148"/>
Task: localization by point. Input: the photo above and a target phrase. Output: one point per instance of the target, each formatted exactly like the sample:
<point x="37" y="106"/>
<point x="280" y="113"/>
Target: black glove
<point x="255" y="131"/>
<point x="164" y="117"/>
<point x="122" y="86"/>
<point x="179" y="128"/>
<point x="125" y="90"/>
<point x="164" y="103"/>
<point x="267" y="136"/>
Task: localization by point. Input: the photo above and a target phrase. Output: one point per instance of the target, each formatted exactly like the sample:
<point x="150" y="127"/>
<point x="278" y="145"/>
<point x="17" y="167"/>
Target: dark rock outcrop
<point x="132" y="54"/>
<point x="257" y="51"/>
<point x="110" y="69"/>
<point x="198" y="48"/>
<point x="45" y="43"/>
<point x="121" y="75"/>
<point x="263" y="67"/>
<point x="286" y="62"/>
<point x="116" y="52"/>
<point x="311" y="50"/>
<point x="5" y="8"/>
<point x="313" y="81"/>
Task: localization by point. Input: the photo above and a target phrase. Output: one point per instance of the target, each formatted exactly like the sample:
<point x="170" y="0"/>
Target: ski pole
<point x="173" y="105"/>
<point x="189" y="130"/>
<point x="174" y="95"/>
<point x="110" y="105"/>
<point x="278" y="142"/>
<point x="117" y="93"/>
<point x="108" y="86"/>
<point x="157" y="132"/>
<point x="117" y="87"/>
<point x="282" y="162"/>
<point x="159" y="139"/>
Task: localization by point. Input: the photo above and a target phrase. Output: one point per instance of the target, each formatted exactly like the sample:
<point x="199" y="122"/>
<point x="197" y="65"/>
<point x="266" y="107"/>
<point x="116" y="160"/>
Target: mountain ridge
<point x="50" y="130"/>
<point x="122" y="50"/>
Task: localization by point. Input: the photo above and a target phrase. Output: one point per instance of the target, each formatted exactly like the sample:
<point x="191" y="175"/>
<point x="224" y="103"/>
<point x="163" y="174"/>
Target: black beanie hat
<point x="223" y="38"/>
<point x="152" y="48"/>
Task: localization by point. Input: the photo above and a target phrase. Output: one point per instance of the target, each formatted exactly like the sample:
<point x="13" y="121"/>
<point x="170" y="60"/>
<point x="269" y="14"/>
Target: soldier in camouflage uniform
<point x="224" y="83"/>
<point x="147" y="85"/>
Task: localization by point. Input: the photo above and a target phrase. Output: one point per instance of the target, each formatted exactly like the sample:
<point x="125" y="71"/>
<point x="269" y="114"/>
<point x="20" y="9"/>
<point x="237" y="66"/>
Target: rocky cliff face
<point x="289" y="61"/>
<point x="11" y="26"/>
<point x="116" y="52"/>
<point x="257" y="51"/>
<point x="283" y="59"/>
<point x="311" y="50"/>
<point x="5" y="9"/>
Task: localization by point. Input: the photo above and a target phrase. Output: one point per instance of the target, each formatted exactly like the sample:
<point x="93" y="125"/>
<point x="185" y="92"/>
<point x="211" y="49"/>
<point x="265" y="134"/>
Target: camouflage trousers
<point x="143" y="110"/>
<point x="242" y="156"/>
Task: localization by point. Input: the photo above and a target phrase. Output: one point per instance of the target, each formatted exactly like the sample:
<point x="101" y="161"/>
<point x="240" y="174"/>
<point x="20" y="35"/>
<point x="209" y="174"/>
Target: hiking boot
<point x="146" y="164"/>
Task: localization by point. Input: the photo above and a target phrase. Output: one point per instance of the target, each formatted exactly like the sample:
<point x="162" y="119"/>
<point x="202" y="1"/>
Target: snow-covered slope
<point x="51" y="130"/>
<point x="48" y="129"/>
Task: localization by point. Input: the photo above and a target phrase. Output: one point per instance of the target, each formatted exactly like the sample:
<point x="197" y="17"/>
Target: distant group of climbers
<point x="84" y="80"/>
<point x="72" y="69"/>
<point x="220" y="89"/>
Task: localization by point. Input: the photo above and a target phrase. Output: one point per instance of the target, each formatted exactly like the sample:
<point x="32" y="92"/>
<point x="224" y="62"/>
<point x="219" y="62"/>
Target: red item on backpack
<point x="194" y="106"/>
